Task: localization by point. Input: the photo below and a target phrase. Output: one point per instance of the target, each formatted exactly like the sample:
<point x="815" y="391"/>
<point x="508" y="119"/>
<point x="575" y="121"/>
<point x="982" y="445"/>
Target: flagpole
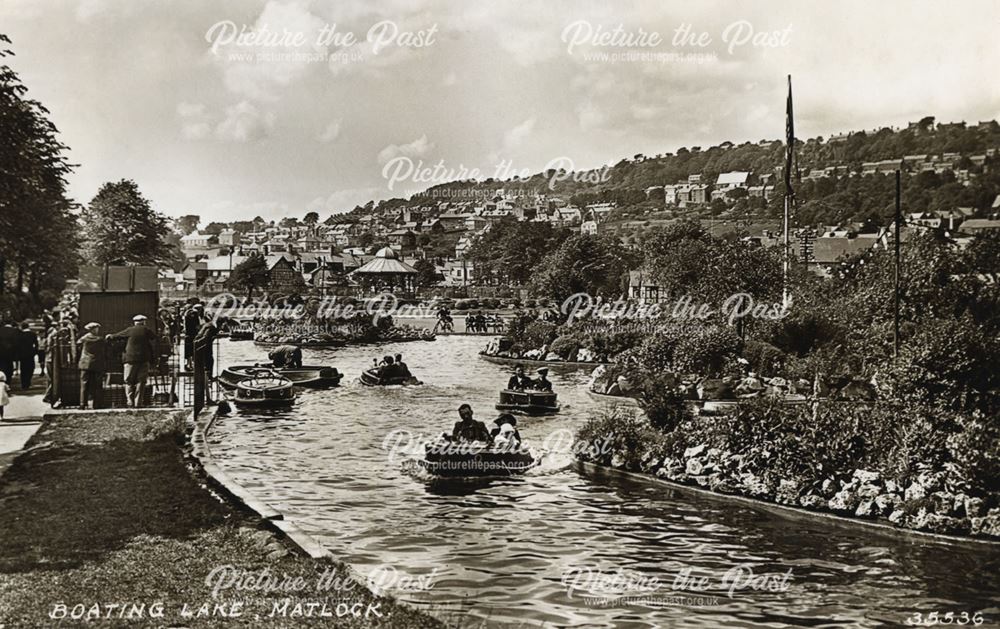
<point x="789" y="158"/>
<point x="785" y="258"/>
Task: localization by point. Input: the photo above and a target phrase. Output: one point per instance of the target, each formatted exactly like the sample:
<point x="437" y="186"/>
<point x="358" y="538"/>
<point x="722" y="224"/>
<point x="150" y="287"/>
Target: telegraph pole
<point x="895" y="276"/>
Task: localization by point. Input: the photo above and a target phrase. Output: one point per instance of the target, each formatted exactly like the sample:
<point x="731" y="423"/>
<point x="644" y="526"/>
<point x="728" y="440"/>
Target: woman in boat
<point x="505" y="435"/>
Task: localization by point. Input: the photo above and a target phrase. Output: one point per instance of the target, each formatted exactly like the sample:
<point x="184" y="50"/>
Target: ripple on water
<point x="500" y="547"/>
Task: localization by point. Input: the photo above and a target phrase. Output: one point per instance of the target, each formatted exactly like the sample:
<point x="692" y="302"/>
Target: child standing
<point x="4" y="396"/>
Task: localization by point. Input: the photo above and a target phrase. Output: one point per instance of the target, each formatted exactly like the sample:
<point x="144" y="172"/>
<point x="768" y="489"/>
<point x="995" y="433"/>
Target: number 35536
<point x="918" y="619"/>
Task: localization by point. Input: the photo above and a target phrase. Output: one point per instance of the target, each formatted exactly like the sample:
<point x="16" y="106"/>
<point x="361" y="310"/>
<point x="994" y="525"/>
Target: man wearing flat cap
<point x="91" y="365"/>
<point x="140" y="349"/>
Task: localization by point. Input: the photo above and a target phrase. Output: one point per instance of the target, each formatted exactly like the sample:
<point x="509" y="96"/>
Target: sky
<point x="231" y="109"/>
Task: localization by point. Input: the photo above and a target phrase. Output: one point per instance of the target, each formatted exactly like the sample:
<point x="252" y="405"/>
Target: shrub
<point x="706" y="349"/>
<point x="538" y="333"/>
<point x="975" y="448"/>
<point x="625" y="433"/>
<point x="663" y="401"/>
<point x="952" y="363"/>
<point x="566" y="346"/>
<point x="764" y="358"/>
<point x="608" y="343"/>
<point x="801" y="333"/>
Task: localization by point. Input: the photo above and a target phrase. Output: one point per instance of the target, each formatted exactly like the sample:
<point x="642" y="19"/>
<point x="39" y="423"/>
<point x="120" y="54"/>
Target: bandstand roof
<point x="385" y="261"/>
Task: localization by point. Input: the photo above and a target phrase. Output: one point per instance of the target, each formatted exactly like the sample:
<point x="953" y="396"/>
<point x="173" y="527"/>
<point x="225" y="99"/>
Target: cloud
<point x="261" y="72"/>
<point x="87" y="9"/>
<point x="515" y="137"/>
<point x="196" y="130"/>
<point x="234" y="211"/>
<point x="331" y="132"/>
<point x="417" y="148"/>
<point x="244" y="122"/>
<point x="195" y="124"/>
<point x="190" y="110"/>
<point x="345" y="200"/>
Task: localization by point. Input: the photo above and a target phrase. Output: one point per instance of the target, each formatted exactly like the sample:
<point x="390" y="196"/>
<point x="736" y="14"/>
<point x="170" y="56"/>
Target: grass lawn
<point x="89" y="524"/>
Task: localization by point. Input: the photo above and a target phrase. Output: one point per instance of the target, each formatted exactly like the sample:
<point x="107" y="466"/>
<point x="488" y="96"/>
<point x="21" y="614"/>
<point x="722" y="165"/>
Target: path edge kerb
<point x="271" y="518"/>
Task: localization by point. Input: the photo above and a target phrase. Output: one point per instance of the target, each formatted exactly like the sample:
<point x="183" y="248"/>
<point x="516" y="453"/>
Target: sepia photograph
<point x="474" y="315"/>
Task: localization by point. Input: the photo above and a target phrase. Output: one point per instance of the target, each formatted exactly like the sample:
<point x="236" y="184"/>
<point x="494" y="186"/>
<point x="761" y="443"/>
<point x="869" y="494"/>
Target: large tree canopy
<point x="120" y="227"/>
<point x="583" y="263"/>
<point x="37" y="228"/>
<point x="248" y="275"/>
<point x="509" y="250"/>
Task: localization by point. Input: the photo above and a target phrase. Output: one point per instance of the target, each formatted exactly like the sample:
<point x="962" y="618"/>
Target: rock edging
<point x="792" y="511"/>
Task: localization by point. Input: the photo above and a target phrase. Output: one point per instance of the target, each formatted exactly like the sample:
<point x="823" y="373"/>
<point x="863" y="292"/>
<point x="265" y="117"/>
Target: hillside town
<point x="275" y="353"/>
<point x="431" y="235"/>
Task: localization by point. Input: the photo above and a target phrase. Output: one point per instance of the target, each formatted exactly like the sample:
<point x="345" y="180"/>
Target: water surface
<point x="499" y="549"/>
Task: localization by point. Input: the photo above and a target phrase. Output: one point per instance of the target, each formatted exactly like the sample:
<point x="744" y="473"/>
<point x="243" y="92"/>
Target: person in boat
<point x="505" y="435"/>
<point x="388" y="369"/>
<point x="469" y="429"/>
<point x="542" y="383"/>
<point x="519" y="381"/>
<point x="286" y="356"/>
<point x="404" y="371"/>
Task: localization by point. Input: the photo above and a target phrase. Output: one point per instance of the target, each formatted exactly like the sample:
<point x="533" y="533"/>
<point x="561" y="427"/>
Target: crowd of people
<point x="58" y="339"/>
<point x="479" y="323"/>
<point x="20" y="348"/>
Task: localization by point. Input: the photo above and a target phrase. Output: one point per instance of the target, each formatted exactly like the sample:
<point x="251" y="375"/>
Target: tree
<point x="510" y="250"/>
<point x="215" y="228"/>
<point x="427" y="273"/>
<point x="583" y="263"/>
<point x="187" y="223"/>
<point x="311" y="218"/>
<point x="38" y="231"/>
<point x="120" y="227"/>
<point x="248" y="275"/>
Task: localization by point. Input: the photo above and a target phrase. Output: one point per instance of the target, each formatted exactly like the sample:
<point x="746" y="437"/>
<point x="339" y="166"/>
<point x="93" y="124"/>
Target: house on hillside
<point x="643" y="289"/>
<point x="832" y="247"/>
<point x="732" y="180"/>
<point x="284" y="277"/>
<point x="978" y="225"/>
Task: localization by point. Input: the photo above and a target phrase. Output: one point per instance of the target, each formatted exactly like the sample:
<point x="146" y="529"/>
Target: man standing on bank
<point x="139" y="352"/>
<point x="203" y="348"/>
<point x="91" y="365"/>
<point x="27" y="349"/>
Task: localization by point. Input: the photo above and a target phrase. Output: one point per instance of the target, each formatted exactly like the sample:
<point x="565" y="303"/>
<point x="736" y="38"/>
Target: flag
<point x="789" y="140"/>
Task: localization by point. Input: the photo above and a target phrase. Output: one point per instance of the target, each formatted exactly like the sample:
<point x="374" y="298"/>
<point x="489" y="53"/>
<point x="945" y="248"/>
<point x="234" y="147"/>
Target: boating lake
<point x="502" y="551"/>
